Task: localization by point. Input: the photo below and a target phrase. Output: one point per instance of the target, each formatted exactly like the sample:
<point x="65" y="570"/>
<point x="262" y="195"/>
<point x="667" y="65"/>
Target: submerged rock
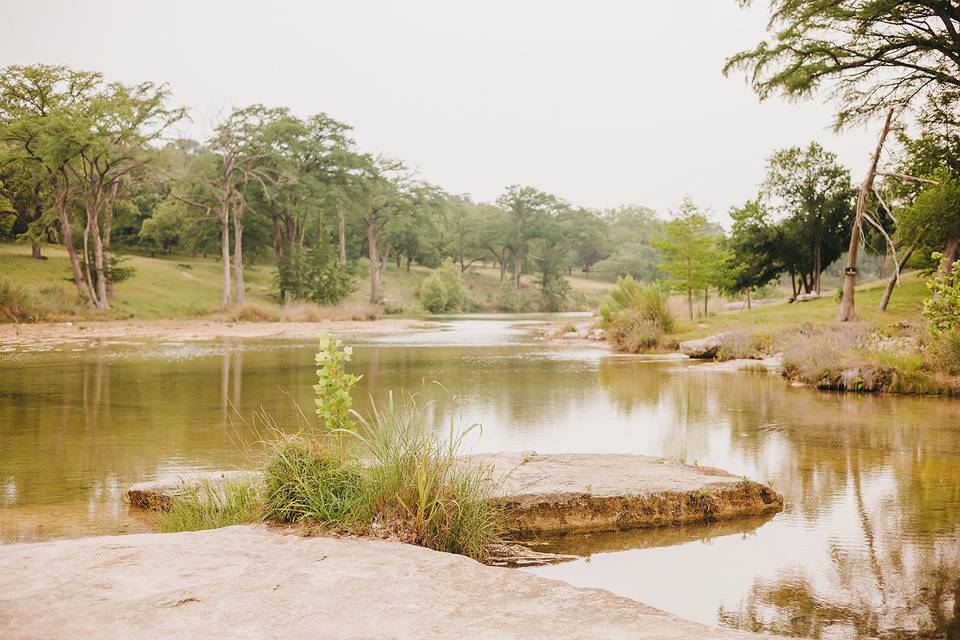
<point x="256" y="582"/>
<point x="570" y="492"/>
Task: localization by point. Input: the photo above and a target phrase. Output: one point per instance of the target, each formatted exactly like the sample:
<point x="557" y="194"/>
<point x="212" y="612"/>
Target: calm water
<point x="868" y="544"/>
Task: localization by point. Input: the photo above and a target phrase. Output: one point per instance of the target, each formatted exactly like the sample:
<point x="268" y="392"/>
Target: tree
<point x="810" y="192"/>
<point x="874" y="55"/>
<point x="526" y="208"/>
<point x="86" y="138"/>
<point x="25" y="197"/>
<point x="754" y="247"/>
<point x="692" y="257"/>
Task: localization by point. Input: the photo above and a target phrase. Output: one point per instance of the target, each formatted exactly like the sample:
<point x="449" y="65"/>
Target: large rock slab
<point x="570" y="492"/>
<point x="253" y="582"/>
<point x="575" y="492"/>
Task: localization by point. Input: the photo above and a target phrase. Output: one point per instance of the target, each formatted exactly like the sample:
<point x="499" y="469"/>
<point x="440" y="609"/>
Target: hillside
<point x="181" y="286"/>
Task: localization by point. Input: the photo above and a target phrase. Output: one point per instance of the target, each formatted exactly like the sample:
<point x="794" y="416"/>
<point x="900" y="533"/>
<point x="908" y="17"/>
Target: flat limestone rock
<point x="157" y="494"/>
<point x="570" y="492"/>
<point x="256" y="582"/>
<point x="574" y="492"/>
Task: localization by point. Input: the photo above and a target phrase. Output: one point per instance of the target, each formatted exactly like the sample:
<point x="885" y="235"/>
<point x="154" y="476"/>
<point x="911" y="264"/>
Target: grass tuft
<point x="210" y="506"/>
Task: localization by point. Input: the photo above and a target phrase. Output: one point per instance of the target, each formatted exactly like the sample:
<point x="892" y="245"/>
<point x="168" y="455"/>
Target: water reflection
<point x="867" y="545"/>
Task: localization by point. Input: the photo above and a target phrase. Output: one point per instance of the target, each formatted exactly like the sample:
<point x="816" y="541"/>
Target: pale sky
<point x="601" y="103"/>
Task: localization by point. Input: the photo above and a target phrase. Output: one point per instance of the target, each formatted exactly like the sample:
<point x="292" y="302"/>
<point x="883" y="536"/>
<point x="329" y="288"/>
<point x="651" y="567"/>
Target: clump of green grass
<point x="390" y="476"/>
<point x="635" y="316"/>
<point x="210" y="506"/>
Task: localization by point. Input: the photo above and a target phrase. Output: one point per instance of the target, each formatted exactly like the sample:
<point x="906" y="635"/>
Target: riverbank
<point x="251" y="581"/>
<point x="89" y="333"/>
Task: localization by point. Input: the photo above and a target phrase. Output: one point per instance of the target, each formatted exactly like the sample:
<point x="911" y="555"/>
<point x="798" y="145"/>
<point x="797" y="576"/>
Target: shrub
<point x="631" y="332"/>
<point x="392" y="308"/>
<point x="942" y="310"/>
<point x="811" y="353"/>
<point x="444" y="291"/>
<point x="508" y="299"/>
<point x="555" y="291"/>
<point x="943" y="352"/>
<point x="635" y="316"/>
<point x="252" y="312"/>
<point x="21" y="304"/>
<point x="647" y="299"/>
<point x="744" y="345"/>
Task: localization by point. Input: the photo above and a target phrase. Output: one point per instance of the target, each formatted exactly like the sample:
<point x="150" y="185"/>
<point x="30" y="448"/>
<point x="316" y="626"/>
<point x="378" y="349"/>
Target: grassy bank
<point x="181" y="286"/>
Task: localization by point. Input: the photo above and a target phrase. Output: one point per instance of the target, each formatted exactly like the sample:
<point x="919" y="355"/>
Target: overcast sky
<point x="602" y="103"/>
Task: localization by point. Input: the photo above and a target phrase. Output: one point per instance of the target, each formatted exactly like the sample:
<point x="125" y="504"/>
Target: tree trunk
<point x="818" y="266"/>
<point x="374" y="263"/>
<point x="885" y="300"/>
<point x="225" y="254"/>
<point x="241" y="295"/>
<point x="949" y="256"/>
<point x="66" y="236"/>
<point x="342" y="236"/>
<point x="690" y="302"/>
<point x="748" y="299"/>
<point x="706" y="297"/>
<point x="517" y="269"/>
<point x="35" y="249"/>
<point x="847" y="303"/>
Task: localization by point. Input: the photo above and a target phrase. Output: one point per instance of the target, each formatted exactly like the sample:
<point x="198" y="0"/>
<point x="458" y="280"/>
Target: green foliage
<point x="388" y="475"/>
<point x="693" y="258"/>
<point x="942" y="310"/>
<point x="313" y="479"/>
<point x="444" y="291"/>
<point x="635" y="316"/>
<point x="27" y="304"/>
<point x="211" y="507"/>
<point x="508" y="298"/>
<point x="873" y="56"/>
<point x="313" y="274"/>
<point x="334" y="383"/>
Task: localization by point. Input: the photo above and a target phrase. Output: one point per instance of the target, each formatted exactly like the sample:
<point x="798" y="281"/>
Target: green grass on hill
<point x="181" y="286"/>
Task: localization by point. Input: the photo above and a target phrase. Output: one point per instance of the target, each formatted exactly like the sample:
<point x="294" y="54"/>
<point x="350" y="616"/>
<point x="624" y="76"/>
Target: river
<point x="868" y="544"/>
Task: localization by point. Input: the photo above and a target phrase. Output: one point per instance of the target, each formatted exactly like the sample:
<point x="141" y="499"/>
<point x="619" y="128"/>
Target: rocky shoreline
<point x="258" y="582"/>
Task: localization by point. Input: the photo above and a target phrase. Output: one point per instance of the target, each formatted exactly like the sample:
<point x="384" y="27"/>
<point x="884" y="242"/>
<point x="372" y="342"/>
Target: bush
<point x="745" y="345"/>
<point x="508" y="299"/>
<point x="555" y="291"/>
<point x="943" y="352"/>
<point x="942" y="311"/>
<point x="635" y="316"/>
<point x="812" y="353"/>
<point x="443" y="291"/>
<point x="252" y="312"/>
<point x="647" y="299"/>
<point x="629" y="331"/>
<point x="20" y="304"/>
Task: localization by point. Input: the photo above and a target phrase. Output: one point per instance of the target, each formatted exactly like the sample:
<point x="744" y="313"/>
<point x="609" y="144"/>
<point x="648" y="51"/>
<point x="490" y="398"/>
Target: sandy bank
<point x="83" y="334"/>
<point x="258" y="583"/>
